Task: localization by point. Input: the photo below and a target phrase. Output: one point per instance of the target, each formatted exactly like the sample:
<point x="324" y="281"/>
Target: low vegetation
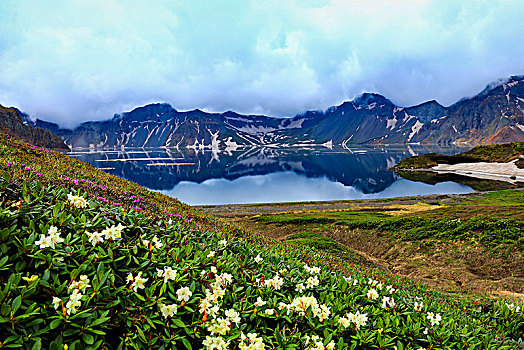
<point x="90" y="261"/>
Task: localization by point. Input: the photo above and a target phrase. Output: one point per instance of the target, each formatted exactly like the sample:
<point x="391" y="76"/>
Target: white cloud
<point x="70" y="61"/>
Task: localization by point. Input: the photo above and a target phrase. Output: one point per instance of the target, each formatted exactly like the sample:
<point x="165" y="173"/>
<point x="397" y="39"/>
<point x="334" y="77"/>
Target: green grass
<point x="492" y="218"/>
<point x="325" y="244"/>
<point x="321" y="218"/>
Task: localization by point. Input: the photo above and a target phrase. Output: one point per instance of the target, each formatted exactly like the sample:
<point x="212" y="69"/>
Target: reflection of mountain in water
<point x="364" y="168"/>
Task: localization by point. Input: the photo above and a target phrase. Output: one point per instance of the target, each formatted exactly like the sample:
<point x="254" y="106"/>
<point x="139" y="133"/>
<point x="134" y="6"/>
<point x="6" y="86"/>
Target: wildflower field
<point x="91" y="261"/>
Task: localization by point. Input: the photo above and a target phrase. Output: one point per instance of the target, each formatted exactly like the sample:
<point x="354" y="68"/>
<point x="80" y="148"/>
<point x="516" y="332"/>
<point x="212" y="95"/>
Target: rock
<point x="11" y="123"/>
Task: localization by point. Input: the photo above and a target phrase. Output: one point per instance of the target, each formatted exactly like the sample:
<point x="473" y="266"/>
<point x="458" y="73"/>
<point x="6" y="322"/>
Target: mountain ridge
<point x="494" y="115"/>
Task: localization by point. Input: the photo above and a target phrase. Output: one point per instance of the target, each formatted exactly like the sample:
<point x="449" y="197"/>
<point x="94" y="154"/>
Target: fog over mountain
<point x="69" y="62"/>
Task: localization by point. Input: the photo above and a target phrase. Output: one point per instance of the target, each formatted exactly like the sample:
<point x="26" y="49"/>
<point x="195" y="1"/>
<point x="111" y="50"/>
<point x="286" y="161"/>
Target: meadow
<point x="92" y="261"/>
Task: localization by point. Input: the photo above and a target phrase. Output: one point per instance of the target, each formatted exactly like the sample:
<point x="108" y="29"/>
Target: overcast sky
<point x="74" y="60"/>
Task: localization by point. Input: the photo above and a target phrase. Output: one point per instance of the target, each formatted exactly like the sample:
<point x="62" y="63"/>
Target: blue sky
<point x="71" y="60"/>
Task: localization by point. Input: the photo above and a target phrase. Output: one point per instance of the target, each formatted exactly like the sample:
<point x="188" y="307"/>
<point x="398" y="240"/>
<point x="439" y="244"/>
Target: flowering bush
<point x="152" y="283"/>
<point x="103" y="276"/>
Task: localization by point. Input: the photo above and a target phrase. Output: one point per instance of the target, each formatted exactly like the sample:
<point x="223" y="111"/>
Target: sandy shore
<point x="482" y="170"/>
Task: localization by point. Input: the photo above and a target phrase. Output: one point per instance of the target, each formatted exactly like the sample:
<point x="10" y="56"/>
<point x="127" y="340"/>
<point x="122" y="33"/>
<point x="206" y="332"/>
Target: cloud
<point x="70" y="61"/>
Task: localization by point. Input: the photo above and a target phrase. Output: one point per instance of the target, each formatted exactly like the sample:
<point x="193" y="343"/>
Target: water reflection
<point x="291" y="187"/>
<point x="268" y="174"/>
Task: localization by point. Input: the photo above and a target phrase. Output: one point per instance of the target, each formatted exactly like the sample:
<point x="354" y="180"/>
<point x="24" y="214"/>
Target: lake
<point x="265" y="175"/>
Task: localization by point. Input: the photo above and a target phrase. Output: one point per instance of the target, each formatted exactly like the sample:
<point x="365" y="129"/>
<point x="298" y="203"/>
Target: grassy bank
<point x="91" y="261"/>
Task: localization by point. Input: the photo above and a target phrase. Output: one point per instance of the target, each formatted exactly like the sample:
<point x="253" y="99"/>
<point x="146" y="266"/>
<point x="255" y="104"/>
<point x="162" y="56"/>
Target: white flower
<point x="81" y="284"/>
<point x="233" y="315"/>
<point x="222" y="243"/>
<point x="169" y="274"/>
<point x="211" y="254"/>
<point x="258" y="259"/>
<point x="44" y="242"/>
<point x="359" y="319"/>
<point x="323" y="313"/>
<point x="434" y="319"/>
<point x="312" y="281"/>
<point x="183" y="294"/>
<point x="269" y="311"/>
<point x="51" y="239"/>
<point x="388" y="302"/>
<point x="312" y="270"/>
<point x="158" y="244"/>
<point x="168" y="310"/>
<point x="94" y="237"/>
<point x="77" y="201"/>
<point x="215" y="343"/>
<point x="259" y="302"/>
<point x="56" y="302"/>
<point x="372" y="294"/>
<point x="74" y="302"/>
<point x="418" y="306"/>
<point x="219" y="326"/>
<point x="300" y="288"/>
<point x="113" y="232"/>
<point x="276" y="282"/>
<point x="251" y="342"/>
<point x="138" y="281"/>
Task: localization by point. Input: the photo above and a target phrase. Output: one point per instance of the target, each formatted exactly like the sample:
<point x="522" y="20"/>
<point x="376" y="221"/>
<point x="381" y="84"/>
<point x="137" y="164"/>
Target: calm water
<point x="261" y="175"/>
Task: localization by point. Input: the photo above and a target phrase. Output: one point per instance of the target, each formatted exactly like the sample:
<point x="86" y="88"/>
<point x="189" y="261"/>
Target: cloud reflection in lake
<point x="291" y="187"/>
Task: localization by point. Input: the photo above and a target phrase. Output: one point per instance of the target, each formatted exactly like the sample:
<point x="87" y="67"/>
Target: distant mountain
<point x="493" y="116"/>
<point x="11" y="123"/>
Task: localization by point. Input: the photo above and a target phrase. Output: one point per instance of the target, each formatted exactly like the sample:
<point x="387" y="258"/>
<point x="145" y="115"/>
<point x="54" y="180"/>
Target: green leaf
<point x="178" y="322"/>
<point x="37" y="345"/>
<point x="55" y="323"/>
<point x="88" y="338"/>
<point x="187" y="344"/>
<point x="16" y="304"/>
<point x="99" y="321"/>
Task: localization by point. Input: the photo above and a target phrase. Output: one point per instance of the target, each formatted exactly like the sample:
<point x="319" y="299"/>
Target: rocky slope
<point x="12" y="124"/>
<point x="495" y="115"/>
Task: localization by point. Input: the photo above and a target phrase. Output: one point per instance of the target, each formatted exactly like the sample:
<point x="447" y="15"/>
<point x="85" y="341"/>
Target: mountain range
<point x="495" y="115"/>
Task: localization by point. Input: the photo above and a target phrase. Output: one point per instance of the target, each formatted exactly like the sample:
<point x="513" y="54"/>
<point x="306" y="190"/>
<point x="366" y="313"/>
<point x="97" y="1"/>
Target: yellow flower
<point x="30" y="279"/>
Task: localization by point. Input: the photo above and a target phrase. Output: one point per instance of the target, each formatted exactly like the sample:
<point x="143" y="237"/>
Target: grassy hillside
<point x="486" y="153"/>
<point x="91" y="261"/>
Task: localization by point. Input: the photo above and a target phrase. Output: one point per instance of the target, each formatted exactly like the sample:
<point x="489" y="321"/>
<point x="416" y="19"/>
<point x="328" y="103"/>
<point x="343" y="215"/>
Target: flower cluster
<point x="75" y="298"/>
<point x="315" y="343"/>
<point x="434" y="319"/>
<point x="167" y="310"/>
<point x="215" y="343"/>
<point x="357" y="319"/>
<point x="167" y="273"/>
<point x="301" y="305"/>
<point x="112" y="233"/>
<point x="251" y="342"/>
<point x="51" y="239"/>
<point x="77" y="201"/>
<point x="136" y="282"/>
<point x="388" y="302"/>
<point x="513" y="307"/>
